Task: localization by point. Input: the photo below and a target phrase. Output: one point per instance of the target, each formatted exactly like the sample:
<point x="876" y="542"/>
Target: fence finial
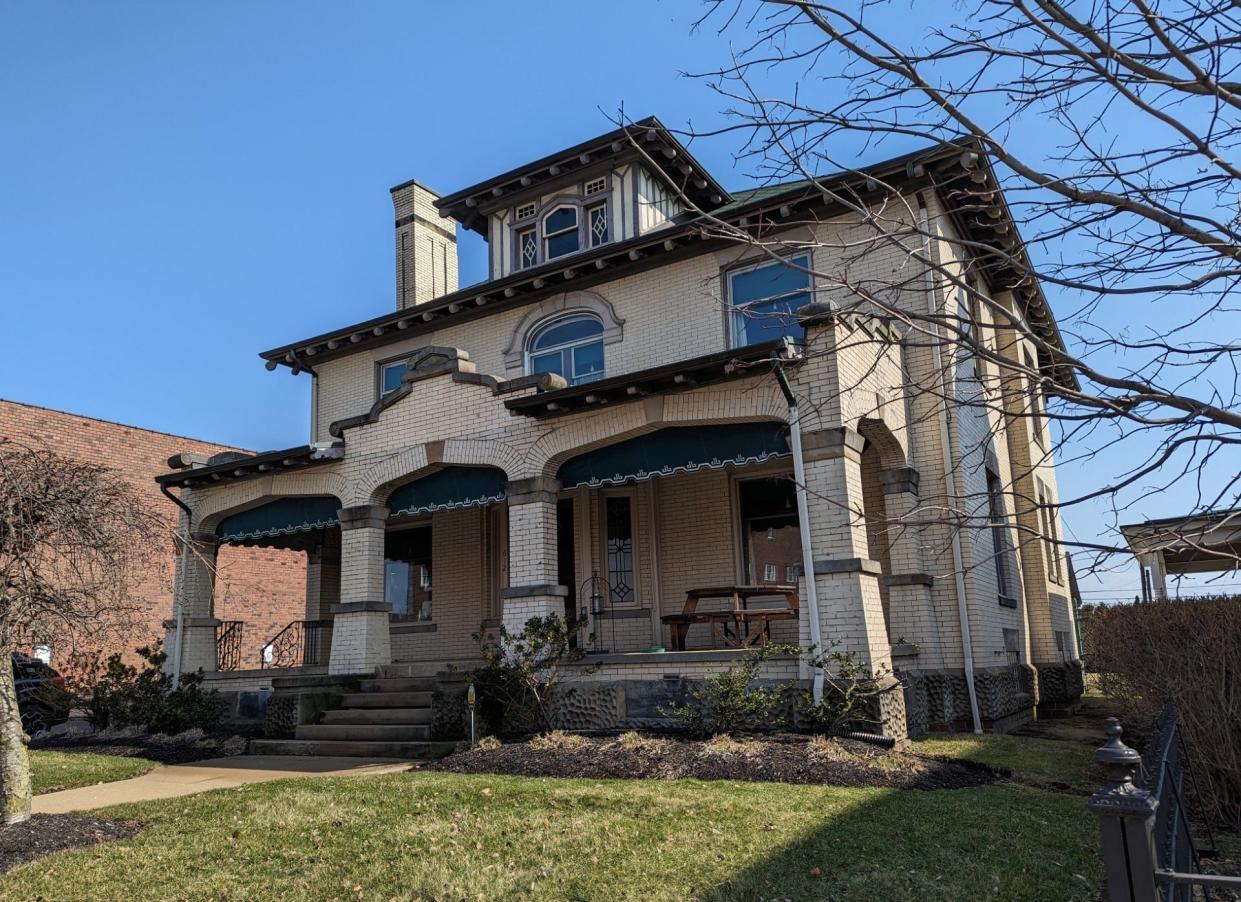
<point x="1120" y="761"/>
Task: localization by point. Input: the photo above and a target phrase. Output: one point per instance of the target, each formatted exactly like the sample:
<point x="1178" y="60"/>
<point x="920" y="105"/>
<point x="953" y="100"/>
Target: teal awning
<point x="681" y="449"/>
<point x="284" y="516"/>
<point x="448" y="489"/>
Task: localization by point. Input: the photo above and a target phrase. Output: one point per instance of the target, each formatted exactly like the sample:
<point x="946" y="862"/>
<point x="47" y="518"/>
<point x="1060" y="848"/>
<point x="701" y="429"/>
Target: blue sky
<point x="184" y="185"/>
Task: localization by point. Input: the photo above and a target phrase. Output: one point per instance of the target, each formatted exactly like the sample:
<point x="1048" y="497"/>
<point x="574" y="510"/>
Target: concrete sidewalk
<point x="215" y="773"/>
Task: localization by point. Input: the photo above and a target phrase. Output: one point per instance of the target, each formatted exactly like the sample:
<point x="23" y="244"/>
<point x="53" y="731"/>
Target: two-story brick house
<point x="598" y="428"/>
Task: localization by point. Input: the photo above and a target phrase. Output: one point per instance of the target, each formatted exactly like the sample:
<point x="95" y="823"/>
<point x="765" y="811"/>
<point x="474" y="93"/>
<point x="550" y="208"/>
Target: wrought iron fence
<point x="300" y="644"/>
<point x="1150" y="851"/>
<point x="228" y="635"/>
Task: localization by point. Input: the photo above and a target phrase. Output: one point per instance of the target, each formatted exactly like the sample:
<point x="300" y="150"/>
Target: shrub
<point x="522" y="674"/>
<point x="851" y="695"/>
<point x="1187" y="651"/>
<point x="126" y="696"/>
<point x="732" y="700"/>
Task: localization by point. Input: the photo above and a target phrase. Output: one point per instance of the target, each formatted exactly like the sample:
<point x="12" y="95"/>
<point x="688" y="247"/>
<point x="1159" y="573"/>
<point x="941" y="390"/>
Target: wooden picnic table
<point x="738" y="626"/>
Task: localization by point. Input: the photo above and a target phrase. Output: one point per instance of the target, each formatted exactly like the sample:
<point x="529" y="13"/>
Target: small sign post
<point x="469" y="701"/>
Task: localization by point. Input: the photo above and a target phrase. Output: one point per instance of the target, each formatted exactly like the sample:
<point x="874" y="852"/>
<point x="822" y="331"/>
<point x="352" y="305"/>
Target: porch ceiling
<point x="735" y="363"/>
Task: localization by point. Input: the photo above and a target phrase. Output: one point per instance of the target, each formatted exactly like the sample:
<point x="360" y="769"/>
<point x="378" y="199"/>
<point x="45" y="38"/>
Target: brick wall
<point x="265" y="587"/>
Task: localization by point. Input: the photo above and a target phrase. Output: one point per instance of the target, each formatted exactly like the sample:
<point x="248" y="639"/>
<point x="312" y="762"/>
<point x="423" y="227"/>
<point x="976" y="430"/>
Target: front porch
<point x="618" y="538"/>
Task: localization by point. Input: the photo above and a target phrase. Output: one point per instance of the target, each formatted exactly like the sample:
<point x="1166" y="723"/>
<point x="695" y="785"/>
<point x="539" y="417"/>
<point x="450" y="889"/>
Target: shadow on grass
<point x="999" y="842"/>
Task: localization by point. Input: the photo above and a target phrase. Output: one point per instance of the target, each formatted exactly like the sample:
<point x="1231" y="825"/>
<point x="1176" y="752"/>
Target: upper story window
<point x="527" y="247"/>
<point x="595" y="186"/>
<point x="560" y="232"/>
<point x="571" y="346"/>
<point x="390" y="377"/>
<point x="764" y="300"/>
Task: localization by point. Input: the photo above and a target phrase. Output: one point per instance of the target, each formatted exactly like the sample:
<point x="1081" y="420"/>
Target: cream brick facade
<point x="875" y="465"/>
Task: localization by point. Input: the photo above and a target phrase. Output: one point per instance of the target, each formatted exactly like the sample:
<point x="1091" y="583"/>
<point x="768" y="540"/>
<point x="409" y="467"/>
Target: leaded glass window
<point x="597" y="216"/>
<point x="618" y="516"/>
<point x="527" y="248"/>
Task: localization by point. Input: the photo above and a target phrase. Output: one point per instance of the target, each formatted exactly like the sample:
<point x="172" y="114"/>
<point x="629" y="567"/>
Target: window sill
<point x="402" y="627"/>
<point x="1006" y="602"/>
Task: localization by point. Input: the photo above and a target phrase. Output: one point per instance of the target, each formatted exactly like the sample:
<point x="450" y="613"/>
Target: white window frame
<point x="733" y="312"/>
<point x="546" y="236"/>
<point x="550" y="322"/>
<point x="519" y="260"/>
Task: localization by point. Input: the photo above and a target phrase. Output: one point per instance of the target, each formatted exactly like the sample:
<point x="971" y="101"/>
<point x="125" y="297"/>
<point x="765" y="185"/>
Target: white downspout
<point x="803" y="522"/>
<point x="948" y="394"/>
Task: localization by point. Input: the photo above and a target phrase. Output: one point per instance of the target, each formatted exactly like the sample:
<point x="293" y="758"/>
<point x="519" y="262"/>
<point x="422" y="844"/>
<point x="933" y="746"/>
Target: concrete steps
<point x="377" y="716"/>
<point x="389" y="717"/>
<point x="386" y="700"/>
<point x="365" y="732"/>
<point x="414" y="751"/>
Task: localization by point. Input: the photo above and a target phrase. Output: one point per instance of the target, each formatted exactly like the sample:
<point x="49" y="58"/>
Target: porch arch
<point x="241" y="496"/>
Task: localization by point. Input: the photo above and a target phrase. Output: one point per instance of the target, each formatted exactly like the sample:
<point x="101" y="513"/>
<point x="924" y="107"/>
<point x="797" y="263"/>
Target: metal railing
<point x="228" y="635"/>
<point x="300" y="644"/>
<point x="1149" y="850"/>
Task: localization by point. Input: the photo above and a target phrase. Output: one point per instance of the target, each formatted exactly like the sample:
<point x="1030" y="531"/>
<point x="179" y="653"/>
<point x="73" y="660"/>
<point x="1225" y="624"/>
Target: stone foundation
<point x="1060" y="685"/>
<point x="939" y="699"/>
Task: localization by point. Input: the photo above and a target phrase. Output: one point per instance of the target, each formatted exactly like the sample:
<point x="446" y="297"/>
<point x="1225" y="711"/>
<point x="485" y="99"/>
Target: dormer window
<point x="596" y="186"/>
<point x="560" y="232"/>
<point x="597" y="220"/>
<point x="569" y="346"/>
<point x="527" y="248"/>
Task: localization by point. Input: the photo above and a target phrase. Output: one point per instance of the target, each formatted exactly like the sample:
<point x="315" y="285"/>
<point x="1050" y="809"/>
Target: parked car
<point x="41" y="694"/>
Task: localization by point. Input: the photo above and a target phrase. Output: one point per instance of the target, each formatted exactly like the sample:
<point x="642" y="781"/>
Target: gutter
<point x="950" y="487"/>
<point x="803" y="522"/>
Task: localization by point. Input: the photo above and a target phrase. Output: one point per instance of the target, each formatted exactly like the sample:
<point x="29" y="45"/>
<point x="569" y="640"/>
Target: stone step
<point x="421" y="751"/>
<point x="422" y="668"/>
<point x="365" y="732"/>
<point x="386" y="700"/>
<point x="377" y="715"/>
<point x="399" y="684"/>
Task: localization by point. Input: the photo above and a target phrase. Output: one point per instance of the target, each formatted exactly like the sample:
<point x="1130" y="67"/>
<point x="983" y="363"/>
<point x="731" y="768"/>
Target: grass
<point x="51" y="770"/>
<point x="1039" y="762"/>
<point x="426" y="835"/>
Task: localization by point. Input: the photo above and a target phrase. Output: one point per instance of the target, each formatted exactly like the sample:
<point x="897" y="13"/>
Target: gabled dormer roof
<point x="647" y="139"/>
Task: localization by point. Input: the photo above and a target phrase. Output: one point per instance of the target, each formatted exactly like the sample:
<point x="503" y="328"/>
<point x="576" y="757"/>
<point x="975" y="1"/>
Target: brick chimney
<point x="426" y="247"/>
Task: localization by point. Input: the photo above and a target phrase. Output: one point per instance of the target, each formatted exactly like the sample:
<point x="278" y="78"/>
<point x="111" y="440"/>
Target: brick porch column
<point x="360" y="639"/>
<point x="846" y="579"/>
<point x="193" y="591"/>
<point x="533" y="584"/>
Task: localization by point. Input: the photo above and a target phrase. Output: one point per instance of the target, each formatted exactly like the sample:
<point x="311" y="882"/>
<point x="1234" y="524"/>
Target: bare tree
<point x="1101" y="132"/>
<point x="72" y="536"/>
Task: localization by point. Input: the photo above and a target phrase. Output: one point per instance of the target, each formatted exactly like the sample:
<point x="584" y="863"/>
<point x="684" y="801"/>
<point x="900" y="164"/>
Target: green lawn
<point x="51" y="770"/>
<point x="1033" y="761"/>
<point x="425" y="835"/>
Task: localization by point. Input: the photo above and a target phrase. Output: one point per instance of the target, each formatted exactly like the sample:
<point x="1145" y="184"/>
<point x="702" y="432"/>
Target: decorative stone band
<point x="908" y="579"/>
<point x="900" y="479"/>
<point x="824" y="444"/>
<point x="363" y="516"/>
<point x="361" y="607"/>
<point x="848" y="565"/>
<point x="537" y="590"/>
<point x="534" y="488"/>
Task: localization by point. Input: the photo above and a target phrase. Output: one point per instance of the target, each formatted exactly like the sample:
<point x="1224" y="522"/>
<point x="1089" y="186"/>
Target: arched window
<point x="560" y="234"/>
<point x="569" y="346"/>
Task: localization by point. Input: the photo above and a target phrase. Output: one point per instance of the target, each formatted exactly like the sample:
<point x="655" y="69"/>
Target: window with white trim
<point x="597" y="223"/>
<point x="595" y="186"/>
<point x="527" y="247"/>
<point x="560" y="232"/>
<point x="390" y="376"/>
<point x="764" y="299"/>
<point x="525" y="211"/>
<point x="569" y="346"/>
<point x="997" y="521"/>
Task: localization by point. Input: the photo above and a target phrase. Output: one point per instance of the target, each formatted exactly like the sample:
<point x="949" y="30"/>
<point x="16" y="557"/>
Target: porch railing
<point x="300" y="644"/>
<point x="228" y="635"/>
<point x="1149" y="850"/>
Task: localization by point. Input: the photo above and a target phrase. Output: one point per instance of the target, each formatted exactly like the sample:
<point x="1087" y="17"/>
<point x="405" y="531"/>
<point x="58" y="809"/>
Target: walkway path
<point x="215" y="773"/>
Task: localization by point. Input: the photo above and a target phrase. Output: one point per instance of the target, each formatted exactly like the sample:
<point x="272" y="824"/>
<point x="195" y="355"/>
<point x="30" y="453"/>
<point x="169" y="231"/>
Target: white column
<point x="846" y="578"/>
<point x="360" y="637"/>
<point x="533" y="581"/>
<point x="193" y="607"/>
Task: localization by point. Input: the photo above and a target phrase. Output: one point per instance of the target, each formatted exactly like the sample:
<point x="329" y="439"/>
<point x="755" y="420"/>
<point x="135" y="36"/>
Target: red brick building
<point x="263" y="587"/>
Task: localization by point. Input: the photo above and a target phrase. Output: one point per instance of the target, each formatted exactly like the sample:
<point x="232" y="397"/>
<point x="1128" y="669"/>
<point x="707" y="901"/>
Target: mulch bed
<point x="44" y="834"/>
<point x="778" y="759"/>
<point x="153" y="748"/>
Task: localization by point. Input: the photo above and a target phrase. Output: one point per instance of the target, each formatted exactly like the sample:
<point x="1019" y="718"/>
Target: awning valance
<point x="680" y="449"/>
<point x="284" y="516"/>
<point x="448" y="489"/>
